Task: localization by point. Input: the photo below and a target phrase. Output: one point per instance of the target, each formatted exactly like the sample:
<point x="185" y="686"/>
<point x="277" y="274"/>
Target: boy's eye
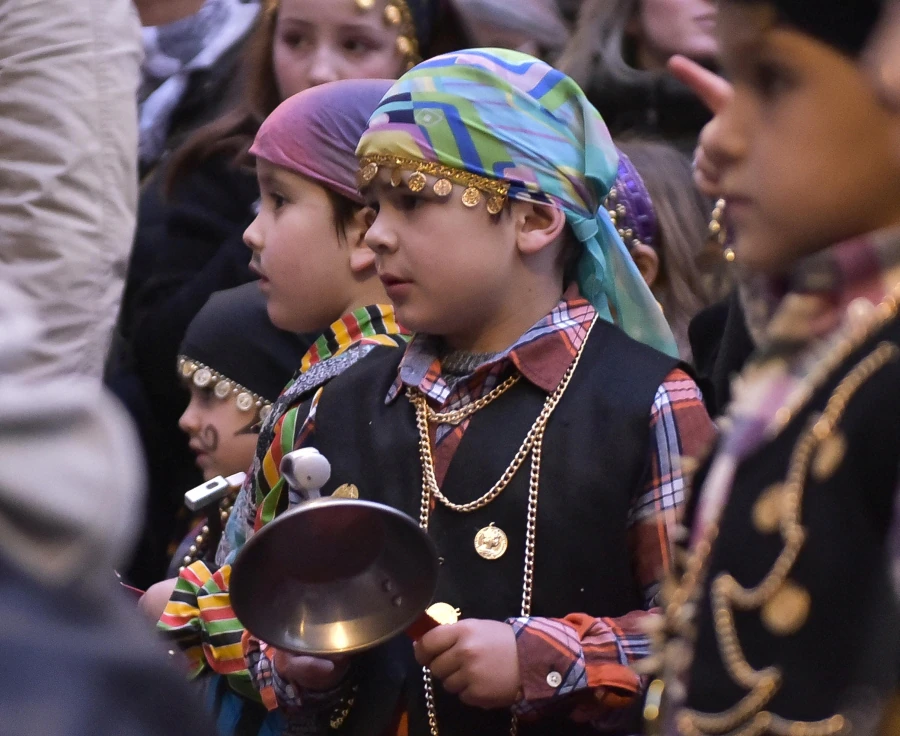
<point x="276" y="200"/>
<point x="408" y="202"/>
<point x="770" y="79"/>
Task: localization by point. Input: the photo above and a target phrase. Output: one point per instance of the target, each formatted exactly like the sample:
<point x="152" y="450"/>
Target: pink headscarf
<point x="315" y="132"/>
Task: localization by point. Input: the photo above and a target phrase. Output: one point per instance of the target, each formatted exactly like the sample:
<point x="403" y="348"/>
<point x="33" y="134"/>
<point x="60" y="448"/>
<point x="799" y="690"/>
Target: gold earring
<point x="718" y="233"/>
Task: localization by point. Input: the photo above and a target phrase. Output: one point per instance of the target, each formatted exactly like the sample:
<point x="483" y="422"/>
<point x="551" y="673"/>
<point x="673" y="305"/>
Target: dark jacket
<point x="840" y="652"/>
<point x="659" y="107"/>
<point x="187" y="247"/>
<point x="721" y="345"/>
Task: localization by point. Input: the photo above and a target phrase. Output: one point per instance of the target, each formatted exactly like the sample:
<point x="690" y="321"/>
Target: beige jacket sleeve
<point x="68" y="169"/>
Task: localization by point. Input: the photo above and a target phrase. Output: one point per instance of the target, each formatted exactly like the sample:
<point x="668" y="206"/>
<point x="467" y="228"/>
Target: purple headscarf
<point x="631" y="208"/>
<point x="315" y="132"/>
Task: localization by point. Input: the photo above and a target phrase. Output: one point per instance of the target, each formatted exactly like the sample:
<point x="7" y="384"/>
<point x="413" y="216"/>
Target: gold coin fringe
<point x="495" y="191"/>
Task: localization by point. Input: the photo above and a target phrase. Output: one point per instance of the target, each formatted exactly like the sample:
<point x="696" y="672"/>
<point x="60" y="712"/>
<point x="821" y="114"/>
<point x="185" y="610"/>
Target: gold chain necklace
<point x="459" y="415"/>
<point x="816" y="445"/>
<point x="534" y="434"/>
<point x="430" y="489"/>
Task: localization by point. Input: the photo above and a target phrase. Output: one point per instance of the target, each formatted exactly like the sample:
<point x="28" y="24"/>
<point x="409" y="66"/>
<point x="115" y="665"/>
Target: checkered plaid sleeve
<point x="680" y="428"/>
<point x="277" y="692"/>
<point x="580" y="662"/>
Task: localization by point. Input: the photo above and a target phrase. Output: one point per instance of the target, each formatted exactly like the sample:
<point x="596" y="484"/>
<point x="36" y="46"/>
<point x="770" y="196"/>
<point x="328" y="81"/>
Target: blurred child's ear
<point x="647" y="261"/>
<point x="537" y="226"/>
<point x="362" y="257"/>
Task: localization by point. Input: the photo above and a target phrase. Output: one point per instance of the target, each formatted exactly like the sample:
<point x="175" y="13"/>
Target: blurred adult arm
<point x="68" y="170"/>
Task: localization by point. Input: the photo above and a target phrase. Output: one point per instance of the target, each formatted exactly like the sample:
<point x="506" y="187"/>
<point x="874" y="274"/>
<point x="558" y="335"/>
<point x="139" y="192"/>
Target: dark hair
<point x="256" y="95"/>
<point x="844" y="24"/>
<point x="343" y="211"/>
<point x="570" y="255"/>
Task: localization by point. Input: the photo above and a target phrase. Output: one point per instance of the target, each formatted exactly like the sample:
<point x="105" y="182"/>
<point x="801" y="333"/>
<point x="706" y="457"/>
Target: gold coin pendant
<point x="829" y="456"/>
<point x="491" y="542"/>
<point x="471" y="197"/>
<point x="768" y="509"/>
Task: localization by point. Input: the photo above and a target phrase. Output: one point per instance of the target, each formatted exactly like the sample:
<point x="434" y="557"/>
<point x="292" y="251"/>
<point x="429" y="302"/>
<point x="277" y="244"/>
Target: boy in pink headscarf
<point x="315" y="269"/>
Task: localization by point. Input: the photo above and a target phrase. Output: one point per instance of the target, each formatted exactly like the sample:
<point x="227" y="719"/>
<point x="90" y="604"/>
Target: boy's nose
<point x="380" y="236"/>
<point x="253" y="235"/>
<point x="723" y="140"/>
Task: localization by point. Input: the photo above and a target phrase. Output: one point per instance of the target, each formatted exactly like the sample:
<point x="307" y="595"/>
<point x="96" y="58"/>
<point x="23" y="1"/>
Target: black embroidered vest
<point x="846" y="651"/>
<point x="595" y="460"/>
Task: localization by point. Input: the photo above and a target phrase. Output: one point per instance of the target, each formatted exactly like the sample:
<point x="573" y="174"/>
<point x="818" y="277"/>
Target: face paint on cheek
<point x="208" y="437"/>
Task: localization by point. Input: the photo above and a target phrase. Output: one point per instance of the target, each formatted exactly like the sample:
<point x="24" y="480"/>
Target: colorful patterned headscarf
<point x="315" y="132"/>
<point x="506" y="125"/>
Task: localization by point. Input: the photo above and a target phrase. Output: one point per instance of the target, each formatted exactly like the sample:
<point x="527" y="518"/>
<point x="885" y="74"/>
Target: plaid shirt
<point x="591" y="654"/>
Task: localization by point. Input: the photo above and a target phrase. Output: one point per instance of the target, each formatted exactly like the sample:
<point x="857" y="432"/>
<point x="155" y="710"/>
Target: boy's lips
<point x="260" y="275"/>
<point x="390" y="280"/>
<point x="397" y="288"/>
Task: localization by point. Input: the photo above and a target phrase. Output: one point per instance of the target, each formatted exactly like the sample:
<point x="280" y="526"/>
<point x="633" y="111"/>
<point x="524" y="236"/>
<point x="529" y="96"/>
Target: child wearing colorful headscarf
<point x="316" y="274"/>
<point x="536" y="374"/>
<point x="782" y="620"/>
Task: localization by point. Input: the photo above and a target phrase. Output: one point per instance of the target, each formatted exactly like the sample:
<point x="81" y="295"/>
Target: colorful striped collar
<point x="354" y="327"/>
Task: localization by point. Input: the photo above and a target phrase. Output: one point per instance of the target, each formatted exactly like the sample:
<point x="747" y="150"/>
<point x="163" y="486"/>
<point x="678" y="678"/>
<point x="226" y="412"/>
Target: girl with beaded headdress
<point x="234" y="362"/>
<point x="194" y="209"/>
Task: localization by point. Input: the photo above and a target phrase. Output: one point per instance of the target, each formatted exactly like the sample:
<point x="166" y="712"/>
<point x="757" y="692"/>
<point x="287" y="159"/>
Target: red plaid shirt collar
<point x="542" y="355"/>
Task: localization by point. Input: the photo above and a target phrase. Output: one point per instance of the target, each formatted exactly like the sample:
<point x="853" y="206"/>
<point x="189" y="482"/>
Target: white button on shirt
<point x="554" y="679"/>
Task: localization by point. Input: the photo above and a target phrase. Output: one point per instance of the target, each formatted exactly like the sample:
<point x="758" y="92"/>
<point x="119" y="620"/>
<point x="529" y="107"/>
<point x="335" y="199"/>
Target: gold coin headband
<point x="495" y="191"/>
<point x="397" y="15"/>
<point x="202" y="376"/>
